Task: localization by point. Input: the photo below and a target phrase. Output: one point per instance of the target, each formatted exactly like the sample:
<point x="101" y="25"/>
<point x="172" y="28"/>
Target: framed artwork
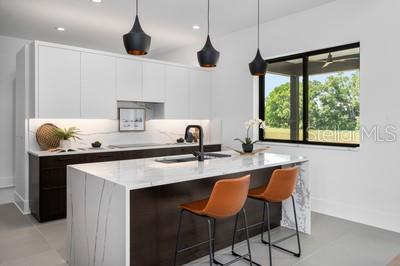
<point x="132" y="119"/>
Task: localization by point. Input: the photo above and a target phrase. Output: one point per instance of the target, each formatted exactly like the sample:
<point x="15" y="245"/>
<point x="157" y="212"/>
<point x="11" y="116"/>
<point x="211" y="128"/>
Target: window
<point x="313" y="98"/>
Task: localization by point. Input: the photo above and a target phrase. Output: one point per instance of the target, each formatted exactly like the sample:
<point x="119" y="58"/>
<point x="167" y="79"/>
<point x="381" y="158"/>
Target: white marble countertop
<point x="142" y="173"/>
<point x="114" y="149"/>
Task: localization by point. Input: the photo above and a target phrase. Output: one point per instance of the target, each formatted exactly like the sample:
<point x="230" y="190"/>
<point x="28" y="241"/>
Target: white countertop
<point x="142" y="173"/>
<point x="113" y="149"/>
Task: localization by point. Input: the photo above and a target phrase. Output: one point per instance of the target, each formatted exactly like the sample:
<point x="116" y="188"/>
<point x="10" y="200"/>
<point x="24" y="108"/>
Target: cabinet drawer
<point x="61" y="161"/>
<point x="53" y="204"/>
<point x="150" y="153"/>
<point x="103" y="157"/>
<point x="53" y="178"/>
<point x="130" y="155"/>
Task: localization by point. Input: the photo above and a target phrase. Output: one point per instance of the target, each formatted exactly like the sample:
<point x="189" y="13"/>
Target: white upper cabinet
<point x="129" y="80"/>
<point x="153" y="82"/>
<point x="200" y="94"/>
<point x="98" y="87"/>
<point x="73" y="82"/>
<point x="177" y="93"/>
<point x="58" y="83"/>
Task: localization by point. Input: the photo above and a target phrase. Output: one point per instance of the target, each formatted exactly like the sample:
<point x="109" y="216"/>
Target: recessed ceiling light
<point x="97" y="1"/>
<point x="196" y="27"/>
<point x="60" y="29"/>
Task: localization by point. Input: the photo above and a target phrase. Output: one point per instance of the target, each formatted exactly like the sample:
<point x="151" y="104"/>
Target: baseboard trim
<point x="7" y="182"/>
<point x="6" y="195"/>
<point x="21" y="203"/>
<point x="383" y="220"/>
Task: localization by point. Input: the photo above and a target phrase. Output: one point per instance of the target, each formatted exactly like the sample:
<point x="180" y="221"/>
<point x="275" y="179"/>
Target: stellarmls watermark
<point x="376" y="133"/>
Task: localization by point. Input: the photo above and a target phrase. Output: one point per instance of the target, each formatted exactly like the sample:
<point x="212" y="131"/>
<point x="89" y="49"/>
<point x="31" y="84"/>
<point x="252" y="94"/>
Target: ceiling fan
<point x="330" y="60"/>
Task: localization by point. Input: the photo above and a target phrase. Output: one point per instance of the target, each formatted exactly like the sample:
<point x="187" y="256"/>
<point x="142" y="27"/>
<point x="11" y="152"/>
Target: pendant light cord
<point x="137" y="7"/>
<point x="258" y="25"/>
<point x="208" y="18"/>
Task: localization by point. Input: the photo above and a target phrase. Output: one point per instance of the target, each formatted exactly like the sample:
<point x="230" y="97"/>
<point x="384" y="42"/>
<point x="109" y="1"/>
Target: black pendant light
<point x="208" y="56"/>
<point x="137" y="42"/>
<point x="258" y="67"/>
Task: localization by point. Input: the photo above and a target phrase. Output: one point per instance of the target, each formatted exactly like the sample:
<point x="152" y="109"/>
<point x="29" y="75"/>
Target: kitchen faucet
<point x="199" y="154"/>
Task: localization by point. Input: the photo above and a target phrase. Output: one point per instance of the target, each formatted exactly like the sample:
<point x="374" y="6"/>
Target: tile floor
<point x="334" y="242"/>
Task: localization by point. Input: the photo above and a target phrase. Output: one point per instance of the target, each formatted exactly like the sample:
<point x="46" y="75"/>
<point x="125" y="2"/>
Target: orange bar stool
<point x="280" y="187"/>
<point x="227" y="200"/>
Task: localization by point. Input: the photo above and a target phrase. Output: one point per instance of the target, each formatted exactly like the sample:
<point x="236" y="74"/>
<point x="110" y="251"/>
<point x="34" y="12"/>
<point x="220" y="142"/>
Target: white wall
<point x="361" y="185"/>
<point x="8" y="50"/>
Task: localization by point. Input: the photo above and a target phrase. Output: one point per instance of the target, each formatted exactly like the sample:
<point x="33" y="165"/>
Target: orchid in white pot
<point x="247" y="143"/>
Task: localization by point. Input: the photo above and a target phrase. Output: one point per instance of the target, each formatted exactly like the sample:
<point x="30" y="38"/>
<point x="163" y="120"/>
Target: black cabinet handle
<point x="64" y="159"/>
<point x="104" y="156"/>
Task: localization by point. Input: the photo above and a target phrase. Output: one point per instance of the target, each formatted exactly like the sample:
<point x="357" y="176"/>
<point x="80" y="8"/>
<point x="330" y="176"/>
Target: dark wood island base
<point x="154" y="219"/>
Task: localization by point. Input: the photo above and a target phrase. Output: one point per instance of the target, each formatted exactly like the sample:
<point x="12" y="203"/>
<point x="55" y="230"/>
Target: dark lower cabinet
<point x="48" y="176"/>
<point x="53" y="203"/>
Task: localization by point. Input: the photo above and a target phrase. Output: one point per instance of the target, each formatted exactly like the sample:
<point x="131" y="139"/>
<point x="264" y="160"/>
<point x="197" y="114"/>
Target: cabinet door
<point x="177" y="93"/>
<point x="53" y="203"/>
<point x="59" y="83"/>
<point x="200" y="94"/>
<point x="129" y="80"/>
<point x="153" y="82"/>
<point x="98" y="87"/>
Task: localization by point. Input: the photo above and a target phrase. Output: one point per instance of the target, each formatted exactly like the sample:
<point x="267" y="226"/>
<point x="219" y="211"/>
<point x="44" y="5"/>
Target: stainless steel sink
<point x="217" y="155"/>
<point x="137" y="145"/>
<point x="179" y="160"/>
<point x="207" y="156"/>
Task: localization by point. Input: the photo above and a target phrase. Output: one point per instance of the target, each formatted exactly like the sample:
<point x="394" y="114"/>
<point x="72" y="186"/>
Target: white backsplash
<point x="106" y="131"/>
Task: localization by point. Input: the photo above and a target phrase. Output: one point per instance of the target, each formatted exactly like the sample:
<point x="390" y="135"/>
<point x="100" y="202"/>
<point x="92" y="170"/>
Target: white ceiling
<point x="169" y="22"/>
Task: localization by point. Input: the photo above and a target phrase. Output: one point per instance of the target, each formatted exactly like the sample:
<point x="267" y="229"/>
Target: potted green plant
<point x="65" y="135"/>
<point x="248" y="143"/>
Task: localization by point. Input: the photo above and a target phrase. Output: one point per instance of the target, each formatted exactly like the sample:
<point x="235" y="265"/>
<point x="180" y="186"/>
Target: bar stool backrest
<point x="282" y="184"/>
<point x="227" y="197"/>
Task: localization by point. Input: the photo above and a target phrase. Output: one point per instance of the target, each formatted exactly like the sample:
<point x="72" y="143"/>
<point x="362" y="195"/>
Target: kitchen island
<point x="125" y="212"/>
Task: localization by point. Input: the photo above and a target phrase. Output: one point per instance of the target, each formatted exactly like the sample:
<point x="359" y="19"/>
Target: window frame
<point x="304" y="56"/>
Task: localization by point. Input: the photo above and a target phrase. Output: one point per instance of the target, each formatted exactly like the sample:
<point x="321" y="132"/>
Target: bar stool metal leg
<point x="210" y="241"/>
<point x="213" y="248"/>
<point x="274" y="243"/>
<point x="246" y="229"/>
<point x="263" y="221"/>
<point x="297" y="228"/>
<point x="177" y="236"/>
<point x="269" y="232"/>
<point x="213" y="235"/>
<point x="234" y="234"/>
<point x="247" y="235"/>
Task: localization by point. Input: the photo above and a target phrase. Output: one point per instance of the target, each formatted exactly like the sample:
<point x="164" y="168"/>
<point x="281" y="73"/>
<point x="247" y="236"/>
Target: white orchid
<point x="250" y="124"/>
<point x="263" y="125"/>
